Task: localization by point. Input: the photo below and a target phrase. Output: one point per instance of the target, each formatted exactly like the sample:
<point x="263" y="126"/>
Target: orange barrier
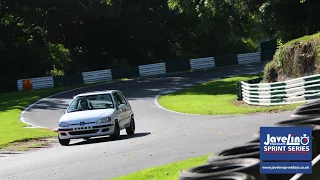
<point x="27" y="84"/>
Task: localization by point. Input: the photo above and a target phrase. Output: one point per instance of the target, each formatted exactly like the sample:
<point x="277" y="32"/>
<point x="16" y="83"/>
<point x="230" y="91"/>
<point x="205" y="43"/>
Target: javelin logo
<point x="287" y="144"/>
<point x="290" y="140"/>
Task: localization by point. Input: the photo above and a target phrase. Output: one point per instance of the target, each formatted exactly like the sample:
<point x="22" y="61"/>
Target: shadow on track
<point x="107" y="138"/>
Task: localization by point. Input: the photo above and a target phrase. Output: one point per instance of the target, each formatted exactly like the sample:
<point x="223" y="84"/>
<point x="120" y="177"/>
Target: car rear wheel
<point x="116" y="132"/>
<point x="64" y="142"/>
<point x="131" y="129"/>
<point x="86" y="138"/>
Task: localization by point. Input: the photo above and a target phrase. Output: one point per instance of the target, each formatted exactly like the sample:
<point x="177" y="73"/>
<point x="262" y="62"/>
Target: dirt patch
<point x="21" y="147"/>
<point x="243" y="104"/>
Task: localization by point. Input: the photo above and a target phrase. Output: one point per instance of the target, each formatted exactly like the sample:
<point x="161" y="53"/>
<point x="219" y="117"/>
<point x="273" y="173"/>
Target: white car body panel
<point x="91" y="115"/>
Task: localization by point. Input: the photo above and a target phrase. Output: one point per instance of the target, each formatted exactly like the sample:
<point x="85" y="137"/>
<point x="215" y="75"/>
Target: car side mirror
<point x="62" y="111"/>
<point x="121" y="106"/>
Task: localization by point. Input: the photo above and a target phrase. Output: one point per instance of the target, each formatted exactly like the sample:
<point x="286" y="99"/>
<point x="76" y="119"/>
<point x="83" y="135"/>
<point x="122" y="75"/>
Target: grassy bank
<point x="214" y="98"/>
<point x="296" y="58"/>
<point x="165" y="172"/>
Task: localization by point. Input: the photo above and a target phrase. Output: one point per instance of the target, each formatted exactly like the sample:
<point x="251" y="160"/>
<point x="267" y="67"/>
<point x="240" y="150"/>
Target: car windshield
<point x="91" y="102"/>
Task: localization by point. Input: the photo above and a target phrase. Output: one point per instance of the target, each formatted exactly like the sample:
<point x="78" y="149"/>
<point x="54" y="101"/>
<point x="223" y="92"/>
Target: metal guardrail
<point x="296" y="90"/>
<point x="202" y="63"/>
<point x="96" y="76"/>
<point x="37" y="83"/>
<point x="249" y="58"/>
<point x="250" y="81"/>
<point x="19" y="84"/>
<point x="152" y="69"/>
<point x="42" y="82"/>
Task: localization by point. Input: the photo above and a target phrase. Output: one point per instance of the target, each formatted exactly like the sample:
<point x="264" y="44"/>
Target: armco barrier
<point x="42" y="82"/>
<point x="149" y="70"/>
<point x="297" y="90"/>
<point x="249" y="58"/>
<point x="202" y="63"/>
<point x="152" y="69"/>
<point x="19" y="84"/>
<point x="96" y="76"/>
<point x="250" y="81"/>
<point x="36" y="83"/>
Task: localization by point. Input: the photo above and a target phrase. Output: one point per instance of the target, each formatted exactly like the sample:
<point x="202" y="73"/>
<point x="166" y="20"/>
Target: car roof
<point x="96" y="93"/>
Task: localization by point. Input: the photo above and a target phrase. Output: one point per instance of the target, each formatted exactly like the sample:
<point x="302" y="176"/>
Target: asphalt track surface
<point x="161" y="136"/>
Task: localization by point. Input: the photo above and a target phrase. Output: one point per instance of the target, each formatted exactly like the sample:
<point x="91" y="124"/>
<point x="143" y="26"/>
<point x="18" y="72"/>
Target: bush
<point x="271" y="72"/>
<point x="59" y="56"/>
<point x="297" y="58"/>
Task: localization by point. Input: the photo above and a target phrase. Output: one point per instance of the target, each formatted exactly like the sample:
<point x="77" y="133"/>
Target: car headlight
<point x="64" y="124"/>
<point x="104" y="120"/>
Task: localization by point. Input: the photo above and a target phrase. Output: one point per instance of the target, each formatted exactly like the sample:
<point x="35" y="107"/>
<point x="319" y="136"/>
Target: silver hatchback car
<point x="96" y="114"/>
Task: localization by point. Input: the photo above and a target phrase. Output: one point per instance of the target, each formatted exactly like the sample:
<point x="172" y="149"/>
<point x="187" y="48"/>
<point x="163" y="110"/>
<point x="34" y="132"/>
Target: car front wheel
<point x="116" y="132"/>
<point x="64" y="142"/>
<point x="131" y="129"/>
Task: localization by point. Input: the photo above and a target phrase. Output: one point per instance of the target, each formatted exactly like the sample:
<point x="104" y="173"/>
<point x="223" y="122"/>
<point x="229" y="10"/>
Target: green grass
<point x="165" y="172"/>
<point x="214" y="98"/>
<point x="11" y="105"/>
<point x="303" y="39"/>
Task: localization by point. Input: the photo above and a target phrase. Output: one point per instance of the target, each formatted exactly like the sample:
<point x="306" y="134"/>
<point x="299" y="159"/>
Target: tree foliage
<point x="40" y="38"/>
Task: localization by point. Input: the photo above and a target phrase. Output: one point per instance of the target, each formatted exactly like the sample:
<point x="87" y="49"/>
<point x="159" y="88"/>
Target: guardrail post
<point x="239" y="91"/>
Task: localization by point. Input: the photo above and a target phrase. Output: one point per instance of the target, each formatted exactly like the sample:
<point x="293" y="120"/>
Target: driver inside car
<point x="84" y="105"/>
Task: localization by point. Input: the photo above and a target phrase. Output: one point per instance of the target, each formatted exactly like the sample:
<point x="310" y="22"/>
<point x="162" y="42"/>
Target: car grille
<point x="84" y="132"/>
<point x="84" y="123"/>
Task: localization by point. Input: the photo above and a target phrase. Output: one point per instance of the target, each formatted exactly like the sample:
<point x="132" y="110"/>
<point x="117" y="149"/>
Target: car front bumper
<point x="76" y="132"/>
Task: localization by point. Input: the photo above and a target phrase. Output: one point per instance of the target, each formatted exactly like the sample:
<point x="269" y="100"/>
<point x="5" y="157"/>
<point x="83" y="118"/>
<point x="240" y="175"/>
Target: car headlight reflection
<point x="104" y="120"/>
<point x="64" y="124"/>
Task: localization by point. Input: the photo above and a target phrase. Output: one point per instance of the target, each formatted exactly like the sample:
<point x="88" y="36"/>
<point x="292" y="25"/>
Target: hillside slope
<point x="296" y="58"/>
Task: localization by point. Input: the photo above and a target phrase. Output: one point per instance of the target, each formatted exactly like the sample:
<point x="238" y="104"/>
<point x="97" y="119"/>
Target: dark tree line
<point x="39" y="38"/>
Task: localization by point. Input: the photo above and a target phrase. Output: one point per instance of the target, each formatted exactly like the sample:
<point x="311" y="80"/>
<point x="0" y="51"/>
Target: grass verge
<point x="215" y="98"/>
<point x="167" y="172"/>
<point x="12" y="104"/>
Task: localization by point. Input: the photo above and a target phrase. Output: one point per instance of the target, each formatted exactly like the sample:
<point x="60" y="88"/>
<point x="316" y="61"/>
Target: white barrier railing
<point x="296" y="90"/>
<point x="202" y="63"/>
<point x="152" y="69"/>
<point x="96" y="76"/>
<point x="144" y="70"/>
<point x="249" y="58"/>
<point x="37" y="83"/>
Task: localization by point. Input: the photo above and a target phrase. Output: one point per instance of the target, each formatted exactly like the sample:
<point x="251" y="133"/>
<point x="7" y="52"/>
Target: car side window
<point x="73" y="106"/>
<point x="117" y="99"/>
<point x="123" y="98"/>
<point x="123" y="101"/>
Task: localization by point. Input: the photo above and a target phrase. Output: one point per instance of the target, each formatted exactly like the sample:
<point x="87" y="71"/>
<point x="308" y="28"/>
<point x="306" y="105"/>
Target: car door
<point x="119" y="112"/>
<point x="128" y="110"/>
